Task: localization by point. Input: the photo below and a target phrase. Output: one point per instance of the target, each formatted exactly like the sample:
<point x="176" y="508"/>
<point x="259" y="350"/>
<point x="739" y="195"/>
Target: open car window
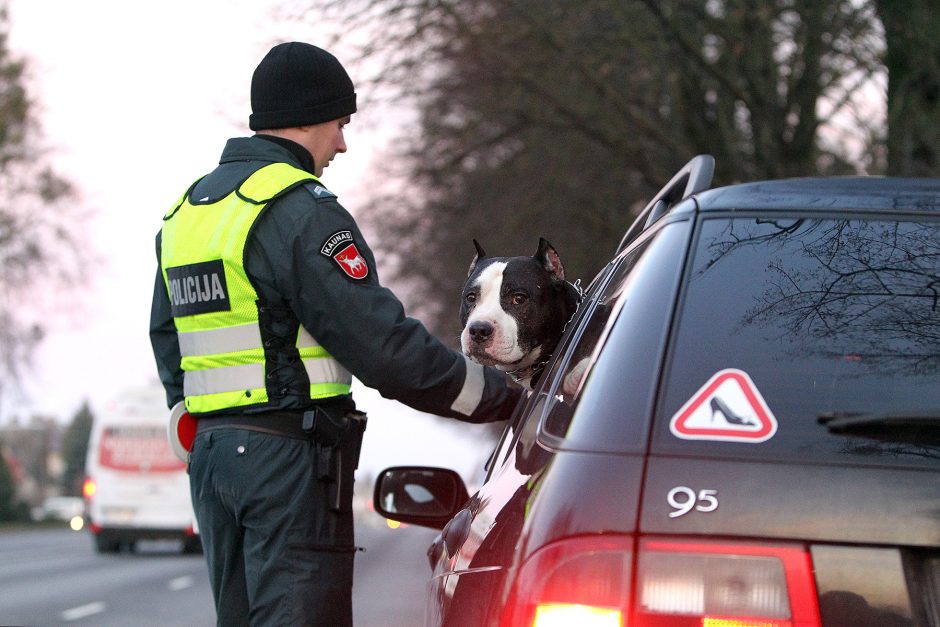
<point x="525" y="420"/>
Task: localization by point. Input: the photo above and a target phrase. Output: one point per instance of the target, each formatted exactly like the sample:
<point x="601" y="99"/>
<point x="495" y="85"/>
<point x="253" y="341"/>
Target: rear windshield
<point x="794" y="325"/>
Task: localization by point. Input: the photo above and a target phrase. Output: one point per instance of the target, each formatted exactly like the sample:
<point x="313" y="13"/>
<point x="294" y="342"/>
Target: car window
<point x="574" y="369"/>
<point x="526" y="418"/>
<point x="789" y="323"/>
<point x="602" y="393"/>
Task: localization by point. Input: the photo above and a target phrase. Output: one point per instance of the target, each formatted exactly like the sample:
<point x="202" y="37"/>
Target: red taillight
<point x="714" y="584"/>
<point x="89" y="487"/>
<point x="587" y="581"/>
<point x="567" y="614"/>
<point x="579" y="581"/>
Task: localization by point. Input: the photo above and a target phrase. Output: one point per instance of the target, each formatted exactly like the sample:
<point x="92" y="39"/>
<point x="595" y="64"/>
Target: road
<point x="54" y="577"/>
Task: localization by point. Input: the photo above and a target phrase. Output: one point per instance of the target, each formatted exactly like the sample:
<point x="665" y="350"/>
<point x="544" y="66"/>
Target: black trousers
<point x="278" y="551"/>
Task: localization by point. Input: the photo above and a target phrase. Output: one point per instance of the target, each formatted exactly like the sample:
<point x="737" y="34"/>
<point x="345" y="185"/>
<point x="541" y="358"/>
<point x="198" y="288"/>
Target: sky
<point x="135" y="101"/>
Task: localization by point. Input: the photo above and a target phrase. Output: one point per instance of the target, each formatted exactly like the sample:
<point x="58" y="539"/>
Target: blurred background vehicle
<point x="59" y="508"/>
<point x="136" y="488"/>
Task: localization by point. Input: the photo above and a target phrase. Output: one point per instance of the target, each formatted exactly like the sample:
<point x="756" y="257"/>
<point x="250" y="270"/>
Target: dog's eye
<point x="470" y="298"/>
<point x="519" y="299"/>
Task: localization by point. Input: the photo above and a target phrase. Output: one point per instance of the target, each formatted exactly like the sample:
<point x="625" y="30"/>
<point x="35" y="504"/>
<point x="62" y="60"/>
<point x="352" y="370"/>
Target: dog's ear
<point x="480" y="255"/>
<point x="548" y="257"/>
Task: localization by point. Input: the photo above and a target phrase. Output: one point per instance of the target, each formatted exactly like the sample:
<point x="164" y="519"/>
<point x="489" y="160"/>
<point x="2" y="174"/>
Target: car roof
<point x="858" y="193"/>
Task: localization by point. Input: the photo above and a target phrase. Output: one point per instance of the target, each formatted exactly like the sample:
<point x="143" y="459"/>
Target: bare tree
<point x="38" y="246"/>
<point x="560" y="118"/>
<point x="913" y="64"/>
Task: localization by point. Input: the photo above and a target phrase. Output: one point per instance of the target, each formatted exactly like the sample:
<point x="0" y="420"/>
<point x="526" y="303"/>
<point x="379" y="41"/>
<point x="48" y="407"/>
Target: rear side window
<point x="822" y="319"/>
<point x="602" y="391"/>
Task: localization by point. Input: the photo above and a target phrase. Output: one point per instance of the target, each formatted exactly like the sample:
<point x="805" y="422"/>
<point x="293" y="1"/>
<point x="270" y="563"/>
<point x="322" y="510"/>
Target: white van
<point x="135" y="487"/>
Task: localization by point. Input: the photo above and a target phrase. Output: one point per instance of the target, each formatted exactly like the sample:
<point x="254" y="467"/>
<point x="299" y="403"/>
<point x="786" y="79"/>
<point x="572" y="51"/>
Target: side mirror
<point x="419" y="495"/>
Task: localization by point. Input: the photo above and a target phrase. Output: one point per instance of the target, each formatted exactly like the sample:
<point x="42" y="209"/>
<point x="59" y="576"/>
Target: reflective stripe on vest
<point x="251" y="376"/>
<point x="215" y="304"/>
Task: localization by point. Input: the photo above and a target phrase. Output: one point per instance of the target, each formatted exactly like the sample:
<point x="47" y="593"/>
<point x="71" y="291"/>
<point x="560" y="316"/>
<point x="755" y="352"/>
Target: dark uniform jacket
<point x="359" y="322"/>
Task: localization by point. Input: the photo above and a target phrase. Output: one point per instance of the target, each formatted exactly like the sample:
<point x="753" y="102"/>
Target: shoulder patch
<point x="341" y="248"/>
<point x="334" y="240"/>
<point x="318" y="191"/>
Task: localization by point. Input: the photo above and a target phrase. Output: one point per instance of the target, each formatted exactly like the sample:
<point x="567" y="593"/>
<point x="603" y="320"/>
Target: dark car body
<point x="757" y="438"/>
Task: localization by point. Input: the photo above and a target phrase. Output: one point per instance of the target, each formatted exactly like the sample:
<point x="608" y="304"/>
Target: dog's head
<point x="514" y="309"/>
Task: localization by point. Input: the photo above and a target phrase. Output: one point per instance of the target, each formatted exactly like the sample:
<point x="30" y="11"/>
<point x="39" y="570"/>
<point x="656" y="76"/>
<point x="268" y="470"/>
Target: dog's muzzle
<point x="480" y="332"/>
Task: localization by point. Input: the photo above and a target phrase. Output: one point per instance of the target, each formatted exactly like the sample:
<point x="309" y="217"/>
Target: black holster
<point x="339" y="442"/>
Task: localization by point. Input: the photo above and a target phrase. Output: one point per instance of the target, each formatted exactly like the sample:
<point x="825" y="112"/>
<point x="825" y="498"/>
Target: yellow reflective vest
<point x="215" y="306"/>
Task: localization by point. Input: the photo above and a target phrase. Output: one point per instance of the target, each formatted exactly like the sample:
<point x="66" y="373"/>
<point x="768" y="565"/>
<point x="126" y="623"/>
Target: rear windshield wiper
<point x="854" y="422"/>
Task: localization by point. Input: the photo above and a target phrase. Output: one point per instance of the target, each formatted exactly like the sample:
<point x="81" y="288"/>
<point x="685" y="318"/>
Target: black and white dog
<point x="514" y="310"/>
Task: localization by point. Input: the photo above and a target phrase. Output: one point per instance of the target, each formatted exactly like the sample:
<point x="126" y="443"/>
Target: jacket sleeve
<point x="364" y="325"/>
<point x="166" y="349"/>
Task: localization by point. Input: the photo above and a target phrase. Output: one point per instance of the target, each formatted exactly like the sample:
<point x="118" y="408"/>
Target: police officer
<point x="266" y="303"/>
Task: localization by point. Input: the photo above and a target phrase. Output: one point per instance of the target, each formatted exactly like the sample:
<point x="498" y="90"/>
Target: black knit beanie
<point x="297" y="84"/>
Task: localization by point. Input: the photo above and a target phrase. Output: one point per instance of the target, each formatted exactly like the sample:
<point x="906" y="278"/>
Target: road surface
<point x="54" y="577"/>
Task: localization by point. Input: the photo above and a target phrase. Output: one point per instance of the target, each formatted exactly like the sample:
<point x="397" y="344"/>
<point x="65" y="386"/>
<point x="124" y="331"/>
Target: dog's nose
<point x="480" y="331"/>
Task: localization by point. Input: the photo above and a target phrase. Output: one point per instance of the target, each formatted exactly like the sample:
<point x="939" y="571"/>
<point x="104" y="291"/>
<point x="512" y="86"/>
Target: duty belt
<point x="316" y="424"/>
<point x="288" y="424"/>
